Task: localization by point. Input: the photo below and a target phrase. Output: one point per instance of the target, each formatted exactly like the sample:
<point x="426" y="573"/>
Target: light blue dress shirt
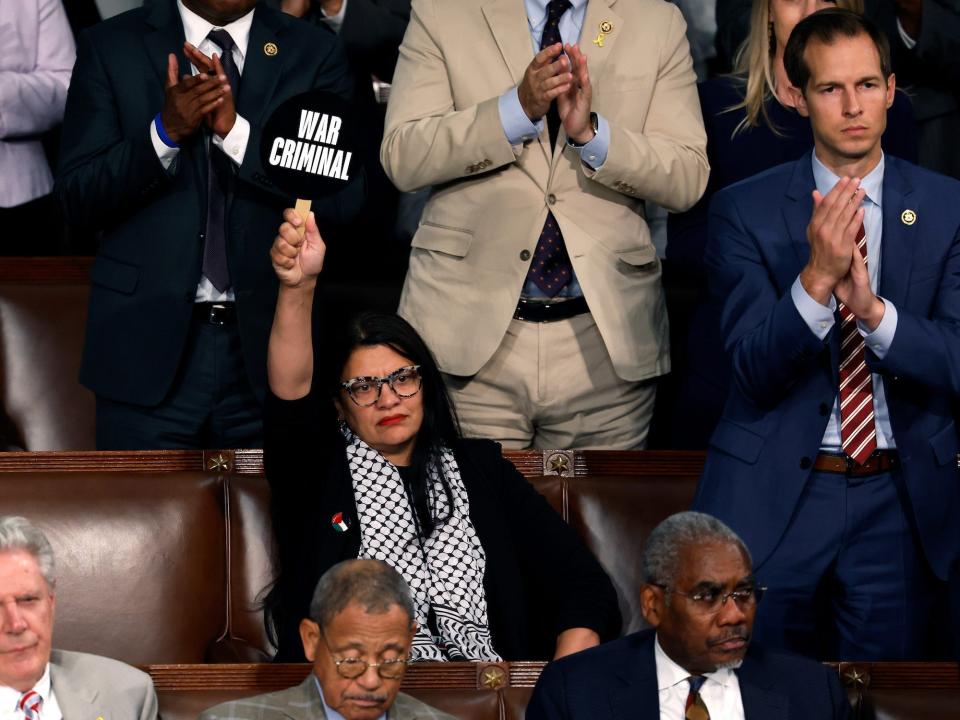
<point x="330" y="712"/>
<point x="820" y="319"/>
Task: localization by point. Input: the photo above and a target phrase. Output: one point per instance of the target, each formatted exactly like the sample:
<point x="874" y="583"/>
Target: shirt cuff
<point x="234" y="145"/>
<point x="819" y="318"/>
<point x="880" y="340"/>
<point x="334" y="21"/>
<point x="907" y="40"/>
<point x="516" y="125"/>
<point x="165" y="153"/>
<point x="594" y="153"/>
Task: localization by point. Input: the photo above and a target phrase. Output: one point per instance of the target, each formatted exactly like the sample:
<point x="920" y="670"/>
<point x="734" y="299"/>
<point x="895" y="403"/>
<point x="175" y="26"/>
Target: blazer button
<point x="823" y="409"/>
<point x="805" y="463"/>
<point x="551" y="199"/>
<point x="524" y="255"/>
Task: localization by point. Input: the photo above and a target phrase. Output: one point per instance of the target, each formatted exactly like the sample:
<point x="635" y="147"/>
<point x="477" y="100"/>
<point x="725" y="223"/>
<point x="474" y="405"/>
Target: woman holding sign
<point x="369" y="463"/>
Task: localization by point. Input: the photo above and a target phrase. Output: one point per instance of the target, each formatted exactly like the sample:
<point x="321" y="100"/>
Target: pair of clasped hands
<point x="192" y="99"/>
<point x="559" y="72"/>
<point x="836" y="266"/>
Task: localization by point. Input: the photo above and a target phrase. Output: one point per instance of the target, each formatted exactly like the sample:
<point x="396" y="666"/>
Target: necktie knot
<point x="223" y="39"/>
<point x="29" y="705"/>
<point x="696" y="682"/>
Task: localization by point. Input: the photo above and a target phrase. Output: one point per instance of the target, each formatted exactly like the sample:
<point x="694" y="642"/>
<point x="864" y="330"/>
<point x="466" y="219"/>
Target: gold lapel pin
<point x="908" y="217"/>
<point x="270" y="49"/>
<point x="606" y="27"/>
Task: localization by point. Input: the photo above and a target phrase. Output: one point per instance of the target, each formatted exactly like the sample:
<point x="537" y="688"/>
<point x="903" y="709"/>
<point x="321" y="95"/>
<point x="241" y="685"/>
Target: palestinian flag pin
<point x="339" y="522"/>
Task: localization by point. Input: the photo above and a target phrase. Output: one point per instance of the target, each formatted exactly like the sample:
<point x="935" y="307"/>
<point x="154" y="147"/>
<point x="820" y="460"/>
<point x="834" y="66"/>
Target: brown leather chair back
<point x="41" y="339"/>
<point x="140" y="559"/>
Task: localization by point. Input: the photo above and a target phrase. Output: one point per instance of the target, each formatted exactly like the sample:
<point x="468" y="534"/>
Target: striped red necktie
<point x="29" y="705"/>
<point x="858" y="433"/>
<point x="695" y="708"/>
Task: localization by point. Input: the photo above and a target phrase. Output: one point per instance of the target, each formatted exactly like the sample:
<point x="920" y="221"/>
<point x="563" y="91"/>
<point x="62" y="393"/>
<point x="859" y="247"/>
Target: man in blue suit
<point x="164" y="164"/>
<point x="698" y="662"/>
<point x="839" y="277"/>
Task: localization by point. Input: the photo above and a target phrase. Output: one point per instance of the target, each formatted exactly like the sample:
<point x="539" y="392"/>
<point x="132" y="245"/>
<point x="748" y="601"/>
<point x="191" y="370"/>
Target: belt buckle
<point x="218" y="313"/>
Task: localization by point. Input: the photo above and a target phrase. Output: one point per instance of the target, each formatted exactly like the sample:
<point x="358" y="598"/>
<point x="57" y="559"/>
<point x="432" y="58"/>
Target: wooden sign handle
<point x="303" y="210"/>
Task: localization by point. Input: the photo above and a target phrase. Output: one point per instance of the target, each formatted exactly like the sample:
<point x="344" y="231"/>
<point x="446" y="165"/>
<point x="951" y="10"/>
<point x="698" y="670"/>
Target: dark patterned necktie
<point x="551" y="36"/>
<point x="695" y="707"/>
<point x="219" y="177"/>
<point x="551" y="269"/>
<point x="858" y="433"/>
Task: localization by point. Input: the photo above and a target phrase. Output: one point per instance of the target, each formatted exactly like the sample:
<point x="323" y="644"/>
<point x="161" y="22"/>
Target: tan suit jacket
<point x="90" y="687"/>
<point x="490" y="199"/>
<point x="303" y="702"/>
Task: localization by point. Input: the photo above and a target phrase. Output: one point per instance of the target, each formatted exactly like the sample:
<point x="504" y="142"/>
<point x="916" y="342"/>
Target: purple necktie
<point x="219" y="180"/>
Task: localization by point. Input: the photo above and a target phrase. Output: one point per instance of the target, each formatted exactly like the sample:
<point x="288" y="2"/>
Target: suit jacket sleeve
<point x="769" y="343"/>
<point x="32" y="98"/>
<point x="667" y="161"/>
<point x="149" y="708"/>
<point x="427" y="140"/>
<point x="102" y="168"/>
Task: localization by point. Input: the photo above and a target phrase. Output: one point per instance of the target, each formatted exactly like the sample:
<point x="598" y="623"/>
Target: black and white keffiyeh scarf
<point x="445" y="571"/>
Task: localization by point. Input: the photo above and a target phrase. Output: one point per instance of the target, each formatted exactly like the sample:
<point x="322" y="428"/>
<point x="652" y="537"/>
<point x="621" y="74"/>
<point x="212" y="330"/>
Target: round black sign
<point x="309" y="147"/>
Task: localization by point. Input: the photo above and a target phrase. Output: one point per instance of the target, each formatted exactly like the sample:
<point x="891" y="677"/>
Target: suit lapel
<point x="76" y="699"/>
<point x="898" y="241"/>
<point x="638" y="697"/>
<point x="305" y="703"/>
<point x="261" y="72"/>
<point x="758" y="692"/>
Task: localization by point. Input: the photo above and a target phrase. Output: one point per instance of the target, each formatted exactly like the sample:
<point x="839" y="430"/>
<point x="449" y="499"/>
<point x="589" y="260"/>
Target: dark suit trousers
<point x="211" y="403"/>
<point x="848" y="580"/>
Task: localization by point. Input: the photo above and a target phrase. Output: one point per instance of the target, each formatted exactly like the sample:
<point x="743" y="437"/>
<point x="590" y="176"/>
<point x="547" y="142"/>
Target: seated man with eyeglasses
<point x="358" y="637"/>
<point x="697" y="663"/>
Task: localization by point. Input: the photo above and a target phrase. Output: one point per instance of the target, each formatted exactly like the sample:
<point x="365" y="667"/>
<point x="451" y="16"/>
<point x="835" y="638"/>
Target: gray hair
<point x="373" y="584"/>
<point x="18" y="533"/>
<point x="661" y="556"/>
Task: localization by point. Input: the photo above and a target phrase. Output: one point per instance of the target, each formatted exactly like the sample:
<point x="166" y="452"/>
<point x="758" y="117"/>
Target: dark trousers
<point x="849" y="580"/>
<point x="210" y="405"/>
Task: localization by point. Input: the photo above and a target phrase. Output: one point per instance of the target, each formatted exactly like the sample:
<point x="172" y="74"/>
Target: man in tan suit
<point x="358" y="637"/>
<point x="532" y="275"/>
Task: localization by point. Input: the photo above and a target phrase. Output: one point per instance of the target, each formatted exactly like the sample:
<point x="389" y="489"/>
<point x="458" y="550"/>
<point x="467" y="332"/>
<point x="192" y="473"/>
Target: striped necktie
<point x="29" y="705"/>
<point x="695" y="708"/>
<point x="858" y="433"/>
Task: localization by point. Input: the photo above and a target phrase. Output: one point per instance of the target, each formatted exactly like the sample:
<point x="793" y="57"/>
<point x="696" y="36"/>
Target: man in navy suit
<point x="164" y="163"/>
<point x="839" y="278"/>
<point x="698" y="661"/>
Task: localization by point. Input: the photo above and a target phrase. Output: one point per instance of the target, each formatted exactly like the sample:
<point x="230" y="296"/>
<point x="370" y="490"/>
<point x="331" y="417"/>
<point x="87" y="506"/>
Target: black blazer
<point x="540" y="579"/>
<point x="151" y="221"/>
<point x="618" y="681"/>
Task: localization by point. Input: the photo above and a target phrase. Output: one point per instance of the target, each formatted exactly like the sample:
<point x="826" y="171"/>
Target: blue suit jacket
<point x="618" y="681"/>
<point x="785" y="378"/>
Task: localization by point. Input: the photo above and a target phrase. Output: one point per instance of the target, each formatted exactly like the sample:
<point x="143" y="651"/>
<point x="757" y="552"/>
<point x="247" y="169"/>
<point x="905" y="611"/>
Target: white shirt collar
<point x="10" y="697"/>
<point x="670" y="674"/>
<point x="196" y="29"/>
<point x="825" y="179"/>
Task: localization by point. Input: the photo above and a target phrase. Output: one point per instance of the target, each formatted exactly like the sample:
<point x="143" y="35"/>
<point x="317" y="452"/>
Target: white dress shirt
<point x="10" y="698"/>
<point x="720" y="693"/>
<point x="820" y="318"/>
<point x="36" y="59"/>
<point x="234" y="145"/>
